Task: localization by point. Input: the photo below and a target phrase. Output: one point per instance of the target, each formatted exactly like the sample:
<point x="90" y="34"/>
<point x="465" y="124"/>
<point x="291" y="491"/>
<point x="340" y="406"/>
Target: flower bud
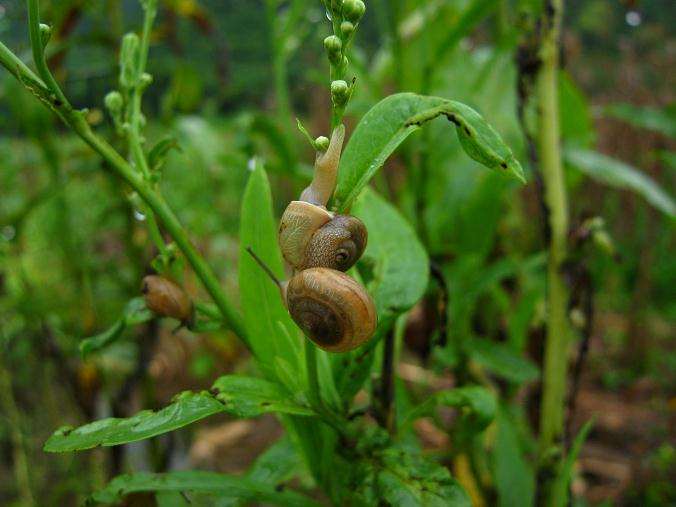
<point x="129" y="57"/>
<point x="166" y="299"/>
<point x="346" y="28"/>
<point x="353" y="10"/>
<point x="114" y="103"/>
<point x="340" y="92"/>
<point x="45" y="34"/>
<point x="333" y="46"/>
<point x="322" y="143"/>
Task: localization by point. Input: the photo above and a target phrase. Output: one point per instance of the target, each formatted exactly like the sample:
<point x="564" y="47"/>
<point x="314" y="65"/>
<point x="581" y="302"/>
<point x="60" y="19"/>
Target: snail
<point x="166" y="299"/>
<point x="332" y="309"/>
<point x="310" y="236"/>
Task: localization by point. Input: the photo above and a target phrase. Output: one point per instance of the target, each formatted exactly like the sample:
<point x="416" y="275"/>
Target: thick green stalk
<point x="557" y="341"/>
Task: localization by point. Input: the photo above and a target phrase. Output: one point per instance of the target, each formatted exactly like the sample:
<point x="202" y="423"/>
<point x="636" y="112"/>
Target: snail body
<point x="311" y="237"/>
<point x="332" y="309"/>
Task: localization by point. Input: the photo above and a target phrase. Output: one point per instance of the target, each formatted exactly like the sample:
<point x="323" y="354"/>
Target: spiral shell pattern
<point x="331" y="308"/>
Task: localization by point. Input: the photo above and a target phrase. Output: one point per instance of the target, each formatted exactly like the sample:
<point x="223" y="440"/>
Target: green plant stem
<point x="314" y="392"/>
<point x="38" y="50"/>
<point x="279" y="62"/>
<point x="76" y="121"/>
<point x="135" y="115"/>
<point x="556" y="346"/>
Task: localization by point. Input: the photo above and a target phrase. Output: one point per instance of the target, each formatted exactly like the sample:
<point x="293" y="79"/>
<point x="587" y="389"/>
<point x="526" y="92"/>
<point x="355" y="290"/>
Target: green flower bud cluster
<point x="129" y="58"/>
<point x="345" y="16"/>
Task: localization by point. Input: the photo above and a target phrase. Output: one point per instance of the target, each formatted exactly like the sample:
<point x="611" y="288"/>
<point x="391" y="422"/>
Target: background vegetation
<point x="229" y="77"/>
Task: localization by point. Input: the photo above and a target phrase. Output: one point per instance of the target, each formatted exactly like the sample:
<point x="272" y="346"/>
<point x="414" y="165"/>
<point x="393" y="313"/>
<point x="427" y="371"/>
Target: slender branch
<point x="38" y="48"/>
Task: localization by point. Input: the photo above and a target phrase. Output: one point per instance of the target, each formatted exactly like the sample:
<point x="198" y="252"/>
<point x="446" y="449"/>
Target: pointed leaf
<point x="478" y="403"/>
<point x="503" y="360"/>
<point x="135" y="312"/>
<point x="514" y="476"/>
<point x="273" y="333"/>
<point x="158" y="155"/>
<point x="251" y="397"/>
<point x="188" y="408"/>
<point x="620" y="175"/>
<point x="559" y="493"/>
<point x="393" y="119"/>
<point x="240" y="396"/>
<point x="223" y="486"/>
<point x="649" y="118"/>
<point x="394" y="254"/>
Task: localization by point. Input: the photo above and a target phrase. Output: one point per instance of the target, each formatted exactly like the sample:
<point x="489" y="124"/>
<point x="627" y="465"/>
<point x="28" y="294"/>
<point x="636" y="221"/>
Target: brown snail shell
<point x="338" y="244"/>
<point x="299" y="222"/>
<point x="331" y="308"/>
<point x="166" y="299"/>
<point x="311" y="237"/>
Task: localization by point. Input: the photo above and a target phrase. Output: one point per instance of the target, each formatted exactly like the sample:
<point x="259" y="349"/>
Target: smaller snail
<point x="310" y="236"/>
<point x="332" y="309"/>
<point x="166" y="299"/>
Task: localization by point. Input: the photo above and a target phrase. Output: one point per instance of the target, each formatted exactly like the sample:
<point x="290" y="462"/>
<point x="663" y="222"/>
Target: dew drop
<point x="251" y="164"/>
<point x="8" y="232"/>
<point x="139" y="215"/>
<point x="329" y="16"/>
<point x="633" y="18"/>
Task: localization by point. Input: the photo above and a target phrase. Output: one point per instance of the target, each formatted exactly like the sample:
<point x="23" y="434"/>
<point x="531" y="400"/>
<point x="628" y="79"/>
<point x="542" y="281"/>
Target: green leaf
<point x="559" y="494"/>
<point x="240" y="396"/>
<point x="188" y="408"/>
<point x="251" y="397"/>
<point x="396" y="476"/>
<point x="577" y="124"/>
<point x="477" y="402"/>
<point x="277" y="465"/>
<point x="502" y="360"/>
<point x="620" y="175"/>
<point x="222" y="486"/>
<point x="662" y="121"/>
<point x="514" y="476"/>
<point x="102" y="340"/>
<point x="393" y="119"/>
<point x="135" y="312"/>
<point x="158" y="155"/>
<point x="352" y="369"/>
<point x="273" y="333"/>
<point x="400" y="274"/>
<point x="475" y="12"/>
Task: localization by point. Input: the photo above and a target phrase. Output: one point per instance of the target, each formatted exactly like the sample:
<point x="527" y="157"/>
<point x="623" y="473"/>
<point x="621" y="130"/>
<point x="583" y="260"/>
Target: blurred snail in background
<point x="166" y="299"/>
<point x="332" y="309"/>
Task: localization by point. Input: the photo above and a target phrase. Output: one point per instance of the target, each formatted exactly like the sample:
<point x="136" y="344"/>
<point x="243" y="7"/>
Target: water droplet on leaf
<point x="633" y="18"/>
<point x="8" y="232"/>
<point x="139" y="215"/>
